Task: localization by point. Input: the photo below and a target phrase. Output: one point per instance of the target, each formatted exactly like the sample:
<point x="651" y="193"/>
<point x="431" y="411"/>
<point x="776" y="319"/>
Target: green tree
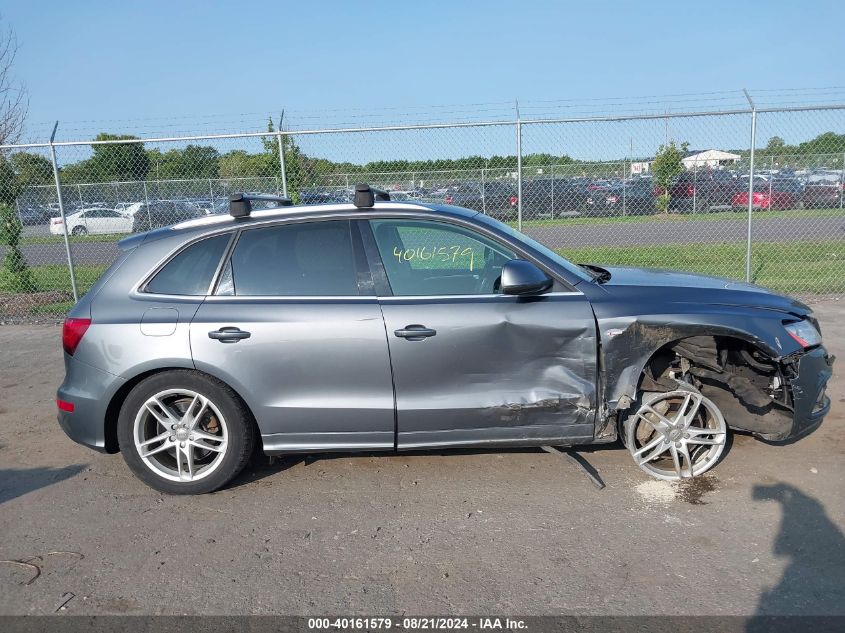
<point x="31" y="170"/>
<point x="776" y="145"/>
<point x="667" y="164"/>
<point x="195" y="161"/>
<point x="15" y="273"/>
<point x="118" y="161"/>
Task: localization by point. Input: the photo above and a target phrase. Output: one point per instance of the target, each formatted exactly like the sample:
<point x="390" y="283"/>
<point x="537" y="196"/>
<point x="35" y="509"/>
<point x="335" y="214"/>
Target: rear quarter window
<point x="190" y="272"/>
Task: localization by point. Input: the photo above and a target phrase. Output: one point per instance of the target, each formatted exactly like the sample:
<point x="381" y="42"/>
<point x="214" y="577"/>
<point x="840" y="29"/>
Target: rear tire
<point x="79" y="230"/>
<point x="184" y="432"/>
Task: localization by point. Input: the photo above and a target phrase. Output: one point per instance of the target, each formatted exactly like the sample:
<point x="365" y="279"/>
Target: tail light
<point x="690" y="190"/>
<point x="613" y="199"/>
<point x="72" y="333"/>
<point x="55" y="220"/>
<point x="448" y="199"/>
<point x="64" y="405"/>
<point x="513" y="201"/>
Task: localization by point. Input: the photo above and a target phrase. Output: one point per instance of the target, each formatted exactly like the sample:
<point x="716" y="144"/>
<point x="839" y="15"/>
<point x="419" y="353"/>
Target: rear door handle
<point x="228" y="334"/>
<point x="415" y="332"/>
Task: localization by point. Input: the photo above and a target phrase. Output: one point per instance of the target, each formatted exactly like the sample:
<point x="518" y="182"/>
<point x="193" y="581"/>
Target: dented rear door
<point x="498" y="370"/>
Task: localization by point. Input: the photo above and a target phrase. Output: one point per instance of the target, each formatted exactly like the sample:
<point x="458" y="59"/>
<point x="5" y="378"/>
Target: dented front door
<point x="492" y="369"/>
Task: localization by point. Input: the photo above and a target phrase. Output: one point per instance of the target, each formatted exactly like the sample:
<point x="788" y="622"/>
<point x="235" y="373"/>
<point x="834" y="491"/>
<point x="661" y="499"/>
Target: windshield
<point x="533" y="244"/>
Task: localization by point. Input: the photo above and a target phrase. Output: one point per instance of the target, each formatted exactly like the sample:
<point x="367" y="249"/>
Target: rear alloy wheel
<point x="183" y="432"/>
<point x="79" y="230"/>
<point x="181" y="435"/>
<point x="676" y="435"/>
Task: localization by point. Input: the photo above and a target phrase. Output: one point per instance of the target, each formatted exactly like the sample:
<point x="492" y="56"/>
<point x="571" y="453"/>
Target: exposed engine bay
<point x="752" y="390"/>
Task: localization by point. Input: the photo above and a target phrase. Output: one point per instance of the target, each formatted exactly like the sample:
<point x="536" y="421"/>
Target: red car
<point x="769" y="195"/>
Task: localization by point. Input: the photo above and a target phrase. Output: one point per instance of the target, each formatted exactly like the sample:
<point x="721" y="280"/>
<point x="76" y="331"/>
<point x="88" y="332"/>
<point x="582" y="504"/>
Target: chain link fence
<point x="680" y="191"/>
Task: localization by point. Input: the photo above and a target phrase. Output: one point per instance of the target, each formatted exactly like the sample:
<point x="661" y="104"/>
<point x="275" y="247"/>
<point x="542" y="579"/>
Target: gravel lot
<point x="519" y="532"/>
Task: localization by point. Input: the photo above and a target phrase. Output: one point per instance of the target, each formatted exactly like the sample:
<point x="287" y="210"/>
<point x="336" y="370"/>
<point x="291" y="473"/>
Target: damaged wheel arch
<point x="751" y="384"/>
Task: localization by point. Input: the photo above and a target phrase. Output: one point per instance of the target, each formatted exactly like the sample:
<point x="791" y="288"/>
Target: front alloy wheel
<point x="676" y="435"/>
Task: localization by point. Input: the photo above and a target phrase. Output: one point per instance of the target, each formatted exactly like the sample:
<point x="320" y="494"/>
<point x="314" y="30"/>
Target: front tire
<point x="184" y="432"/>
<point x="675" y="435"/>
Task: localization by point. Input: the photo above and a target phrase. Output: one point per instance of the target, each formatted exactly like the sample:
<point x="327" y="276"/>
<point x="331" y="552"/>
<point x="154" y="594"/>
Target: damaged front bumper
<point x="806" y="375"/>
<point x="810" y="403"/>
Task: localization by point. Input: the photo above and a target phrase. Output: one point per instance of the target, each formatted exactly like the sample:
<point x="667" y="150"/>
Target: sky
<point x="161" y="67"/>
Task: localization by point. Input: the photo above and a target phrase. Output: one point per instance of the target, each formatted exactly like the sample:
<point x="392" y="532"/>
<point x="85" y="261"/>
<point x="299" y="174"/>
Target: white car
<point x="93" y="221"/>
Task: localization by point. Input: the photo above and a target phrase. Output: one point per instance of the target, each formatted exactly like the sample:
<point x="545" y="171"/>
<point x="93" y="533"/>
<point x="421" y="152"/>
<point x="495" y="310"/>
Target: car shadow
<point x="16" y="482"/>
<point x="261" y="466"/>
<point x="811" y="584"/>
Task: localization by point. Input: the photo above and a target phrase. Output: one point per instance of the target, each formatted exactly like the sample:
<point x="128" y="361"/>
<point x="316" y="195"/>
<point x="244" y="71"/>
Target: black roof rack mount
<point x="366" y="196"/>
<point x="240" y="203"/>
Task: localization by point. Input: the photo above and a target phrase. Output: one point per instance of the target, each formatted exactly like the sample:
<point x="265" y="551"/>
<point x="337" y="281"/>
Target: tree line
<point x="131" y="162"/>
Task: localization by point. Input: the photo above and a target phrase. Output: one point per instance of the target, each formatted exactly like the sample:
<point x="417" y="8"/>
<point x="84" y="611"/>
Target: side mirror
<point x="520" y="277"/>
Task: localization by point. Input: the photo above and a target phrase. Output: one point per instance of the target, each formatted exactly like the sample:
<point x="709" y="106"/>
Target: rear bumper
<point x="809" y="400"/>
<point x="90" y="390"/>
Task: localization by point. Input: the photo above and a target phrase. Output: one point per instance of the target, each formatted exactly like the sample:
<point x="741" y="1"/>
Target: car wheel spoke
<point x="167" y="419"/>
<point x="154" y="451"/>
<point x="153" y="440"/>
<point x="687" y="418"/>
<point x="676" y="460"/>
<point x="209" y="447"/>
<point x="661" y="424"/>
<point x="188" y="451"/>
<point x="707" y="441"/>
<point x="651" y="450"/>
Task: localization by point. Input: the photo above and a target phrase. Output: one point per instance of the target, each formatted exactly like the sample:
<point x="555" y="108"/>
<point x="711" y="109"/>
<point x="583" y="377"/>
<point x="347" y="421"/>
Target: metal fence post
<point x="624" y="202"/>
<point x="771" y="178"/>
<point x="842" y="181"/>
<point x="518" y="169"/>
<point x="695" y="186"/>
<point x="483" y="196"/>
<point x="282" y="156"/>
<point x="750" y="185"/>
<point x="62" y="212"/>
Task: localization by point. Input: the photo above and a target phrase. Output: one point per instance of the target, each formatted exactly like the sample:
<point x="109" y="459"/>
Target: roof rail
<point x="365" y="196"/>
<point x="240" y="203"/>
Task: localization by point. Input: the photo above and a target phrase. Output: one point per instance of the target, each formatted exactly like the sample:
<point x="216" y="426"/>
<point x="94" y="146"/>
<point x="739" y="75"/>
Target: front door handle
<point x="228" y="334"/>
<point x="415" y="332"/>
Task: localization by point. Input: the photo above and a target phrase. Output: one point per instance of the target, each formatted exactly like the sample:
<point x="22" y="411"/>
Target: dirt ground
<point x="459" y="532"/>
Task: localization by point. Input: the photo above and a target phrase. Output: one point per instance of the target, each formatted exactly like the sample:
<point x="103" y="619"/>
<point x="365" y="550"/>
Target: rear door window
<point x="307" y="259"/>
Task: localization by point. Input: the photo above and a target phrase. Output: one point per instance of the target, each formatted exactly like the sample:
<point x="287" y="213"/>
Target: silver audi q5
<point x="387" y="326"/>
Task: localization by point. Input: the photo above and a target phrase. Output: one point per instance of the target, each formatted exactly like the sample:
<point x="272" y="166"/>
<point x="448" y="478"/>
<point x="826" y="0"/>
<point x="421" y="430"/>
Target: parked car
<point x="496" y="198"/>
<point x="703" y="190"/>
<point x="823" y="194"/>
<point x="770" y="194"/>
<point x="322" y="197"/>
<point x="32" y="216"/>
<point x="631" y="197"/>
<point x="127" y="208"/>
<point x="92" y="221"/>
<point x="163" y="213"/>
<point x="384" y="326"/>
<point x="553" y="197"/>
